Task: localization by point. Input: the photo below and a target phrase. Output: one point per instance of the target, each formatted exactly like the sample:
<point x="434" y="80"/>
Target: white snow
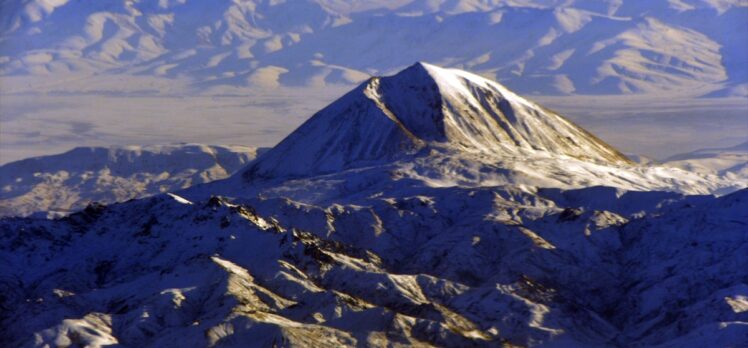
<point x="178" y="198"/>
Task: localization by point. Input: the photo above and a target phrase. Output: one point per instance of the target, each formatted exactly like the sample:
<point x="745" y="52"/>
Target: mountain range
<point x="685" y="47"/>
<point x="60" y="184"/>
<point x="433" y="207"/>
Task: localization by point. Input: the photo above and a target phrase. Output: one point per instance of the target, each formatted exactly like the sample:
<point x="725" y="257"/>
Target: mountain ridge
<point x="492" y="266"/>
<point x="619" y="47"/>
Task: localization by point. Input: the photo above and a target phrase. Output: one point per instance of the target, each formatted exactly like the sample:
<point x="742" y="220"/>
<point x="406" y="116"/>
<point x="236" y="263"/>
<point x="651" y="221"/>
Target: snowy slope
<point x="67" y="182"/>
<point x="549" y="47"/>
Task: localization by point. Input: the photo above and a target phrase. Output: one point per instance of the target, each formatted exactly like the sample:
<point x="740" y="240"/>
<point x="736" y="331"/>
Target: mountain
<point x="426" y="230"/>
<point x="451" y="127"/>
<point x="689" y="47"/>
<point x="731" y="161"/>
<point x="421" y="106"/>
<point x="64" y="183"/>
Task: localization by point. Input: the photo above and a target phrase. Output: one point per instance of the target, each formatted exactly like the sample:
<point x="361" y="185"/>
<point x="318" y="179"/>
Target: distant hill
<point x="60" y="184"/>
<point x="729" y="160"/>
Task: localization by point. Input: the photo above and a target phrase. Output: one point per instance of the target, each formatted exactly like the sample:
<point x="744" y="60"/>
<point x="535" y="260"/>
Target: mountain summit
<point x="424" y="106"/>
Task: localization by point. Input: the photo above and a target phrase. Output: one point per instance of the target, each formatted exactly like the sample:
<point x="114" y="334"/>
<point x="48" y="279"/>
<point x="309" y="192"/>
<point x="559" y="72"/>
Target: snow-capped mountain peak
<point x="478" y="114"/>
<point x="428" y="106"/>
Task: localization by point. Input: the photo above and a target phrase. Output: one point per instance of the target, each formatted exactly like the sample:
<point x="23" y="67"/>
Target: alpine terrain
<point x="433" y="207"/>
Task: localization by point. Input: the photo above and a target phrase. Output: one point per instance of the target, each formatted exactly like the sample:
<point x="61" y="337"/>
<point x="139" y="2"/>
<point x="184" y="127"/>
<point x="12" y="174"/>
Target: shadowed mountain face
<point x="422" y="107"/>
<point x="691" y="47"/>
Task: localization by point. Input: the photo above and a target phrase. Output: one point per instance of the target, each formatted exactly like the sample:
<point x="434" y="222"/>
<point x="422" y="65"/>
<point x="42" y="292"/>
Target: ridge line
<point x="372" y="93"/>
